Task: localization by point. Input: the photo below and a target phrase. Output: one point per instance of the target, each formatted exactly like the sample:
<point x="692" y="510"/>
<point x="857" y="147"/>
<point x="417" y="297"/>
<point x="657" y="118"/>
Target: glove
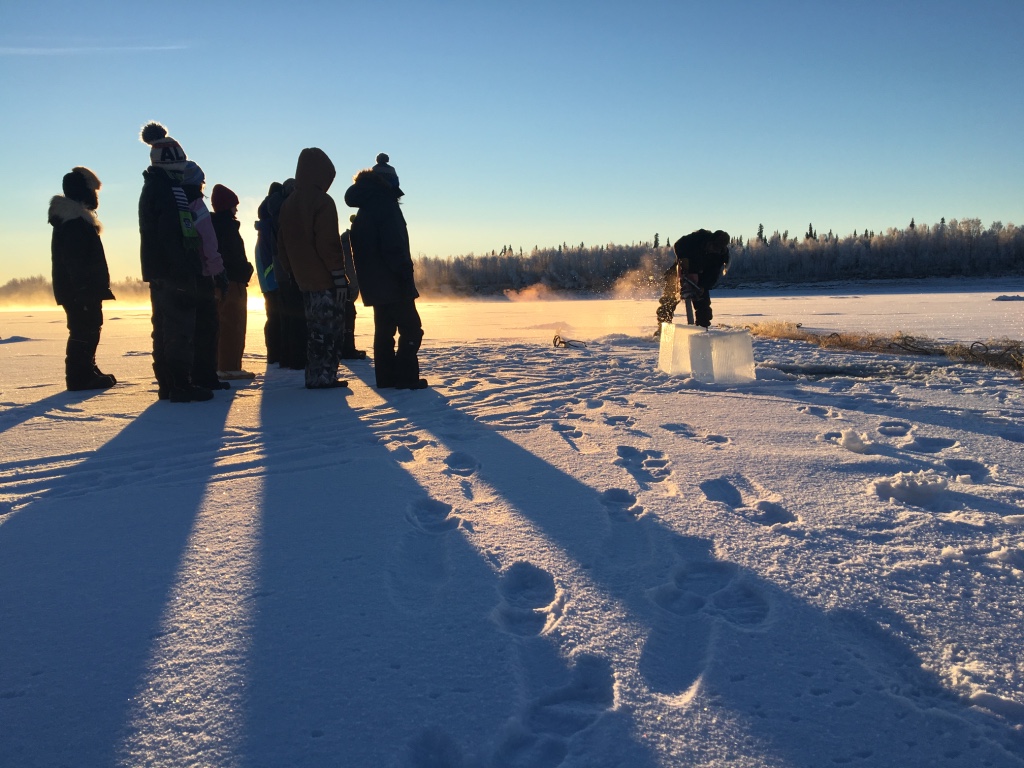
<point x="340" y="285"/>
<point x="221" y="281"/>
<point x="688" y="287"/>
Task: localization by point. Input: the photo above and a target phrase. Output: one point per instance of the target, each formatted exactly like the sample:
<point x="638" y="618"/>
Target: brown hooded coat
<point x="308" y="238"/>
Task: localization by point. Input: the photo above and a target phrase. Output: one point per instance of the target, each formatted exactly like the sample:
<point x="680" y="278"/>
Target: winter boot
<point x="79" y="369"/>
<point x="348" y="347"/>
<point x="189" y="393"/>
<point x="163" y="381"/>
<point x="98" y="372"/>
<point x="415" y="384"/>
<point x="182" y="390"/>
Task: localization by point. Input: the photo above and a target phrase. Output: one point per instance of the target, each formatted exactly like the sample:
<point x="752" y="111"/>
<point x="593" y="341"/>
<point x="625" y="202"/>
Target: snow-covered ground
<point x="554" y="557"/>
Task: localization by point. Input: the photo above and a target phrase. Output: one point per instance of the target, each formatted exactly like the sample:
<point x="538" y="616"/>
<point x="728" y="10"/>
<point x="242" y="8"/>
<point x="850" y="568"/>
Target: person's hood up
<point x="314" y="169"/>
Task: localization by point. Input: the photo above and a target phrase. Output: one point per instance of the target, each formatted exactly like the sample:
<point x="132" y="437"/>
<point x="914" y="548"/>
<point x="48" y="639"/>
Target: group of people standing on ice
<point x="198" y="273"/>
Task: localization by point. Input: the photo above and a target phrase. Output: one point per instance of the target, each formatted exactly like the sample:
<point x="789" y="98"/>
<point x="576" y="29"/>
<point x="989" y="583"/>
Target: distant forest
<point x="948" y="249"/>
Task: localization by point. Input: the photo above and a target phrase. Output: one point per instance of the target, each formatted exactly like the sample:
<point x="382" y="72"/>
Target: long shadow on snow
<point x="358" y="658"/>
<point x="55" y="406"/>
<point x="85" y="572"/>
<point x="721" y="637"/>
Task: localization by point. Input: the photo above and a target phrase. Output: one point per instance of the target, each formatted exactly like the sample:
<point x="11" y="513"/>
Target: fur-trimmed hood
<point x="63" y="209"/>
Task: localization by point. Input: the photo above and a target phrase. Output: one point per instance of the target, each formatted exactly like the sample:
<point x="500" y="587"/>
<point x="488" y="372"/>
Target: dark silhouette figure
<point x="81" y="280"/>
<point x="701" y="259"/>
<point x="380" y="249"/>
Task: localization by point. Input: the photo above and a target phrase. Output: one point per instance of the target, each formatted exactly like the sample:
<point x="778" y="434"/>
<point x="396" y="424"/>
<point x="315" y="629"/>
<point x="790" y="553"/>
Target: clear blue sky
<point x="527" y="123"/>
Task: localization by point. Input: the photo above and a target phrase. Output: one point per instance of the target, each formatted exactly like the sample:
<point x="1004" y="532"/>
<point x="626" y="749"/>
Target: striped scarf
<point x="188" y="226"/>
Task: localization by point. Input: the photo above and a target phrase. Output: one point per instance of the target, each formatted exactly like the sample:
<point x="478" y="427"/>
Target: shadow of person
<point x="86" y="570"/>
<point x="684" y="631"/>
<point x="60" y="406"/>
<point x="368" y="639"/>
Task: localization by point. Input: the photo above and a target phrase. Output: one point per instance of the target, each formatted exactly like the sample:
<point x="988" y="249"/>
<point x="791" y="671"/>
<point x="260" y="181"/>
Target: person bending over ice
<point x="702" y="257"/>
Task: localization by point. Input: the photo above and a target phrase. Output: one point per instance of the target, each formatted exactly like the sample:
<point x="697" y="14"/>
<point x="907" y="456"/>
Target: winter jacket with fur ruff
<point x="308" y="238"/>
<point x="80" y="273"/>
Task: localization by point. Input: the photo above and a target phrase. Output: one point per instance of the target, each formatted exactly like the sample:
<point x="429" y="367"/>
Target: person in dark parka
<point x="265" y="255"/>
<point x="81" y="280"/>
<point x="383" y="261"/>
<point x="289" y="331"/>
<point x="701" y="259"/>
<point x="171" y="259"/>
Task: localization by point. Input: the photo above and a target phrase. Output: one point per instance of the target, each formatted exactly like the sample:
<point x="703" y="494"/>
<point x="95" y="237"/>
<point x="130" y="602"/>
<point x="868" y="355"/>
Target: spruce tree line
<point x="948" y="249"/>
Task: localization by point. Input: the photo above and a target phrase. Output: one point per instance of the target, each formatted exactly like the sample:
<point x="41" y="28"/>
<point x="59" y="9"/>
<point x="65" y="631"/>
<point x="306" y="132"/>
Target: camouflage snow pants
<point x="325" y="332"/>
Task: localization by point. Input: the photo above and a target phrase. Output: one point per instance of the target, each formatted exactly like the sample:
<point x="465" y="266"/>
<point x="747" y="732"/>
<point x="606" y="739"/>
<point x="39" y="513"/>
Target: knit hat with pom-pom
<point x="166" y="153"/>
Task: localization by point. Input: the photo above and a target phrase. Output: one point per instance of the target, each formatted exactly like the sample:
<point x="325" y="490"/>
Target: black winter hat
<point x="80" y="185"/>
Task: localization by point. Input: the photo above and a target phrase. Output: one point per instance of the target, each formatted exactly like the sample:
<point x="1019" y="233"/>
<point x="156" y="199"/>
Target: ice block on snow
<point x="724" y="356"/>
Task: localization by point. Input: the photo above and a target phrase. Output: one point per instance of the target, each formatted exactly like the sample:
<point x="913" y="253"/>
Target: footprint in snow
<point x="699" y="593"/>
<point x="894" y="428"/>
<point x="820" y="411"/>
<point x="530" y="602"/>
<point x="645" y="466"/>
<point x="419" y="565"/>
<point x="1013" y="435"/>
<point x="920" y="444"/>
<point x="683" y="430"/>
<point x="722" y="490"/>
<point x="539" y="737"/>
<point x="621" y="500"/>
<point x="974" y="470"/>
<point x="768" y="513"/>
<point x="762" y="511"/>
<point x="628" y="543"/>
<point x="568" y="431"/>
<point x="461" y="464"/>
<point x="715" y="588"/>
<point x="432" y="516"/>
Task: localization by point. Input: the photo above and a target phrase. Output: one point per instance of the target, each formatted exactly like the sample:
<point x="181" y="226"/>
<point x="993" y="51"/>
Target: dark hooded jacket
<point x="80" y="273"/>
<point x="693" y="256"/>
<point x="164" y="252"/>
<point x="380" y="241"/>
<point x="308" y="238"/>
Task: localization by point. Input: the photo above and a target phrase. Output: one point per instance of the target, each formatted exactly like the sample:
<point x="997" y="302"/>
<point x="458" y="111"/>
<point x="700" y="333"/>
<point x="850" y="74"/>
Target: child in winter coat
<point x="81" y="280"/>
<point x="232" y="305"/>
<point x="204" y="367"/>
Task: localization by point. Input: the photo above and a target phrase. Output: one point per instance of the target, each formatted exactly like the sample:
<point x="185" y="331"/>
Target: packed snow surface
<point x="553" y="557"/>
